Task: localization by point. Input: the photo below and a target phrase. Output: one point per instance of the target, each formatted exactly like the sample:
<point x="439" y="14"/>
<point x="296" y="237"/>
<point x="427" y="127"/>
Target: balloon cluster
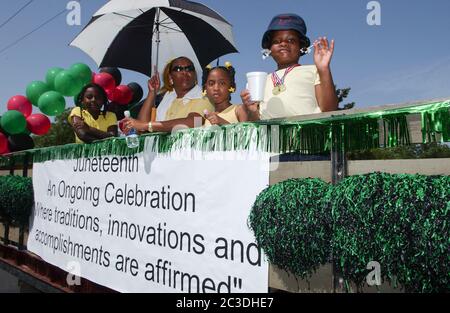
<point x="110" y="79"/>
<point x="121" y="96"/>
<point x="18" y="122"/>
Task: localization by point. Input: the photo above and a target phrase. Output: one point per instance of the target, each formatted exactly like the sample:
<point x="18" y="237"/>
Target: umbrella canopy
<point x="137" y="34"/>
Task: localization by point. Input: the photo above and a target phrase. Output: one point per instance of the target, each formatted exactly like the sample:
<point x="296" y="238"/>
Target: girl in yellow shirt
<point x="218" y="84"/>
<point x="91" y="122"/>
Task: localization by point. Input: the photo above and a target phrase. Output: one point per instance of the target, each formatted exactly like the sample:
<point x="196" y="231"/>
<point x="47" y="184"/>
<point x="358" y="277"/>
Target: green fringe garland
<point x="351" y="132"/>
<point x="114" y="146"/>
<point x="436" y="122"/>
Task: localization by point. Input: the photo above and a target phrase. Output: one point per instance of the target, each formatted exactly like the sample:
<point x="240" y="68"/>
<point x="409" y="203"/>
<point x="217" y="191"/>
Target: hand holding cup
<point x="249" y="105"/>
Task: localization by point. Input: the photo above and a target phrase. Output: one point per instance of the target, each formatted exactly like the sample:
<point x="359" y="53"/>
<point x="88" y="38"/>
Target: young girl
<point x="218" y="84"/>
<point x="294" y="89"/>
<point x="90" y="122"/>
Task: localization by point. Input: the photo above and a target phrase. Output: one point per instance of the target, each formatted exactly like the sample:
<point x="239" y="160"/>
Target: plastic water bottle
<point x="132" y="138"/>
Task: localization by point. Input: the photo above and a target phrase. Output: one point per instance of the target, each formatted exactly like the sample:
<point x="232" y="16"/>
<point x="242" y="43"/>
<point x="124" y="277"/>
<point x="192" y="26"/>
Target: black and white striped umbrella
<point x="137" y="34"/>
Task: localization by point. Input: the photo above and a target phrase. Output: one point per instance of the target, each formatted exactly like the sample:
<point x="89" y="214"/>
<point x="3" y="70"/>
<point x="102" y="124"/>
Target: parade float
<point x="193" y="210"/>
<point x="243" y="208"/>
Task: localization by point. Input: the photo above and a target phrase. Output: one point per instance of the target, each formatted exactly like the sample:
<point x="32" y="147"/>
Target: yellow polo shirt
<point x="102" y="123"/>
<point x="229" y="115"/>
<point x="181" y="109"/>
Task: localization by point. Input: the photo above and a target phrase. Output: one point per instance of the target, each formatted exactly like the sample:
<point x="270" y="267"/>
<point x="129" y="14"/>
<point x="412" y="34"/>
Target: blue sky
<point x="406" y="58"/>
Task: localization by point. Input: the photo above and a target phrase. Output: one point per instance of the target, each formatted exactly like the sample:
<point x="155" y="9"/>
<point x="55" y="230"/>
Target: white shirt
<point x="299" y="97"/>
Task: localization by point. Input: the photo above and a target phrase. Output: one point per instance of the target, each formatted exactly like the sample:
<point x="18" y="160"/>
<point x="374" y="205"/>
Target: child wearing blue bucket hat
<point x="294" y="89"/>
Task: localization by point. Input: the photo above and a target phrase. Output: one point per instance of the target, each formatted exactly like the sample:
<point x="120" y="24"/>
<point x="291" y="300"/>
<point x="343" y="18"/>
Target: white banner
<point x="153" y="223"/>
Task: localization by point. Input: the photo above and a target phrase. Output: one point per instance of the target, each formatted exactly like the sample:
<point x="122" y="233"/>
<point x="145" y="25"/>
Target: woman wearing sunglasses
<point x="182" y="106"/>
<point x="90" y="122"/>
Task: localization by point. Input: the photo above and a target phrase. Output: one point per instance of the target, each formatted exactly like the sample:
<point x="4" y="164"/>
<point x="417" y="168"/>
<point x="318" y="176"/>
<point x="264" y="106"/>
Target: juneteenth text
<point x="129" y="164"/>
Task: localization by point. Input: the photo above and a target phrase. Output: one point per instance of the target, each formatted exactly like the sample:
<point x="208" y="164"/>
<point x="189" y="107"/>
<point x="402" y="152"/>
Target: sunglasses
<point x="189" y="68"/>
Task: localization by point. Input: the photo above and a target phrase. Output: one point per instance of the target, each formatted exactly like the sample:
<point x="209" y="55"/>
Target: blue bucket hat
<point x="288" y="21"/>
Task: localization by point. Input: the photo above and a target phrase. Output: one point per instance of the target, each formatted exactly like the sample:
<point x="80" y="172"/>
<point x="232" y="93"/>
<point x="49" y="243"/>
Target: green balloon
<point x="13" y="122"/>
<point x="82" y="71"/>
<point x="35" y="89"/>
<point x="26" y="131"/>
<point x="67" y="84"/>
<point x="51" y="75"/>
<point x="52" y="103"/>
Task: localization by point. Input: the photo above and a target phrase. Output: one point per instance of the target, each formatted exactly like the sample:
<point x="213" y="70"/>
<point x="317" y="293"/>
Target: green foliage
<point x="342" y="94"/>
<point x="60" y="133"/>
<point x="400" y="221"/>
<point x="16" y="199"/>
<point x="290" y="224"/>
<point x="419" y="151"/>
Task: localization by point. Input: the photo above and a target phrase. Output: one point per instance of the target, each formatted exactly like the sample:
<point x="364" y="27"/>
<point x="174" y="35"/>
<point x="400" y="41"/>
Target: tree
<point x="342" y="94"/>
<point x="60" y="133"/>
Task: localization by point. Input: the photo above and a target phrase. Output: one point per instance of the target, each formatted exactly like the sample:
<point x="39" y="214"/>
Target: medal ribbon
<point x="277" y="81"/>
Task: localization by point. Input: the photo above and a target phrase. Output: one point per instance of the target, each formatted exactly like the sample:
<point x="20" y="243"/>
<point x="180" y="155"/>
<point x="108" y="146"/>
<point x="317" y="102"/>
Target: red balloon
<point x="113" y="94"/>
<point x="6" y="151"/>
<point x="38" y="124"/>
<point x="105" y="80"/>
<point x="126" y="94"/>
<point x="3" y="144"/>
<point x="21" y="104"/>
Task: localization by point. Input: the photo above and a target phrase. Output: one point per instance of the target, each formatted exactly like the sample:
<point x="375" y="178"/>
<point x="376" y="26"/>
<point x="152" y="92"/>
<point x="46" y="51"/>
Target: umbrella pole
<point x="157" y="38"/>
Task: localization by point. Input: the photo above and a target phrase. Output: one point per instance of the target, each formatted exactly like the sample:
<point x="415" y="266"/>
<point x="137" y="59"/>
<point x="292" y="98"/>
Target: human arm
<point x="241" y="113"/>
<point x="215" y="119"/>
<point x="89" y="134"/>
<point x="325" y="91"/>
<point x="192" y="120"/>
<point x="251" y="107"/>
<point x="154" y="84"/>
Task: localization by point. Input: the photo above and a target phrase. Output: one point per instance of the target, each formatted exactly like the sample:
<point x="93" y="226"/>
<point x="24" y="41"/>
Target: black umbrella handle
<point x="158" y="12"/>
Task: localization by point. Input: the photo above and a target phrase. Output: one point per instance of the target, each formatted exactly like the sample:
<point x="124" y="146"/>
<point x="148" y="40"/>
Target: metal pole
<point x="26" y="160"/>
<point x="158" y="11"/>
<point x="338" y="154"/>
<point x="6" y="233"/>
<point x="338" y="173"/>
<point x="12" y="164"/>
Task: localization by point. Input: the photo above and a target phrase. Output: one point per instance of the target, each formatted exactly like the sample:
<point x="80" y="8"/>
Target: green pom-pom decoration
<point x="16" y="199"/>
<point x="292" y="225"/>
<point x="400" y="221"/>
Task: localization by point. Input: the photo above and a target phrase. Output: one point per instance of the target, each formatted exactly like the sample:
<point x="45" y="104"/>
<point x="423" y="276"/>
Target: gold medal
<point x="276" y="90"/>
<point x="278" y="82"/>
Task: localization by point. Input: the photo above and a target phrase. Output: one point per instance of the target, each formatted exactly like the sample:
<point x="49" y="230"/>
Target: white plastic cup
<point x="256" y="83"/>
